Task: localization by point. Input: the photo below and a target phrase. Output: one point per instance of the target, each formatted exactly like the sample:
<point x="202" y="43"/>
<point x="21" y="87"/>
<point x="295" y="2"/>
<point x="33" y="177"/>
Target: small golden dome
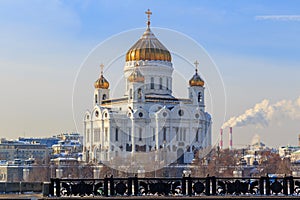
<point x="196" y="79"/>
<point x="148" y="47"/>
<point x="101" y="82"/>
<point x="136" y="76"/>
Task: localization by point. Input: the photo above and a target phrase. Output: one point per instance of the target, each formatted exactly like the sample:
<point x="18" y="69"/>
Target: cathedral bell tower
<point x="196" y="89"/>
<point x="136" y="87"/>
<point x="101" y="92"/>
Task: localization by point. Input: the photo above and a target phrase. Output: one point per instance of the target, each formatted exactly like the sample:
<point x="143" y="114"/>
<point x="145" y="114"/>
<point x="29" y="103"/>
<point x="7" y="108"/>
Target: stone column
<point x="26" y="173"/>
<point x="59" y="173"/>
<point x="132" y="135"/>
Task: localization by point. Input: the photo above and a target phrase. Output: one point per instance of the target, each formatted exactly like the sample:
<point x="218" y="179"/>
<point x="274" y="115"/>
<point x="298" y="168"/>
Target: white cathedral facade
<point x="148" y="122"/>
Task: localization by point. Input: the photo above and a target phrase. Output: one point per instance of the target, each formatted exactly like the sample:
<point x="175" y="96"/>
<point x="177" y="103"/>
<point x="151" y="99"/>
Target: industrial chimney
<point x="221" y="138"/>
<point x="230" y="138"/>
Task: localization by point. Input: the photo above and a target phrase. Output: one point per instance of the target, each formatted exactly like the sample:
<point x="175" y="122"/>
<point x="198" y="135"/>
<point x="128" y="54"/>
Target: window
<point x="96" y="98"/>
<point x="184" y="134"/>
<point x="140" y="134"/>
<point x="197" y="135"/>
<point x="139" y="93"/>
<point x="177" y="133"/>
<point x="199" y="97"/>
<point x="130" y="93"/>
<point x="160" y="83"/>
<point x="164" y="134"/>
<point x="180" y="113"/>
<point x="167" y="83"/>
<point x="152" y="83"/>
<point x="117" y="134"/>
<point x="129" y="134"/>
<point x="106" y="134"/>
<point x="153" y="131"/>
<point x="104" y="97"/>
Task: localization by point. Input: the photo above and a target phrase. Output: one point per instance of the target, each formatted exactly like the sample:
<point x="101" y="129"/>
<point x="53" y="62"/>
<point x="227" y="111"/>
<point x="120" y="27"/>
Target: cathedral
<point x="148" y="124"/>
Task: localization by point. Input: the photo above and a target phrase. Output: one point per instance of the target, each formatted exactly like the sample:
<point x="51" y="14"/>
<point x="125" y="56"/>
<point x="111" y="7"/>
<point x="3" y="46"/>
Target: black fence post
<point x="129" y="185"/>
<point x="112" y="186"/>
<point x="190" y="189"/>
<point x="207" y="186"/>
<point x="105" y="186"/>
<point x="285" y="186"/>
<point x="268" y="188"/>
<point x="136" y="185"/>
<point x="51" y="192"/>
<point x="261" y="185"/>
<point x="183" y="185"/>
<point x="213" y="185"/>
<point x="57" y="185"/>
<point x="292" y="185"/>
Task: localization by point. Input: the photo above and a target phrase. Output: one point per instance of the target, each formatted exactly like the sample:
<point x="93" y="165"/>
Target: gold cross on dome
<point x="196" y="65"/>
<point x="149" y="13"/>
<point x="101" y="67"/>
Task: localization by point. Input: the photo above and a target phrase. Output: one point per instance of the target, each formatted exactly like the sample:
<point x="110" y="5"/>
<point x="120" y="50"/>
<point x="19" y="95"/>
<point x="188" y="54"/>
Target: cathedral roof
<point x="148" y="47"/>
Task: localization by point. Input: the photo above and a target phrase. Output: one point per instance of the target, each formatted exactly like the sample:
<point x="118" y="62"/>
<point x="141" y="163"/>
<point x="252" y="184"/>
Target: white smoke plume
<point x="262" y="113"/>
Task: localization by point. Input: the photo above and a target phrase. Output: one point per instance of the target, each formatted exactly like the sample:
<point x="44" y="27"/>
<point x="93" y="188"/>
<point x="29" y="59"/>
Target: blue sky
<point x="255" y="44"/>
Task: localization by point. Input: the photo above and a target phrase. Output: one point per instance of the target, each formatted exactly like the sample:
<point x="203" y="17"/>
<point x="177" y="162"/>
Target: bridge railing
<point x="184" y="186"/>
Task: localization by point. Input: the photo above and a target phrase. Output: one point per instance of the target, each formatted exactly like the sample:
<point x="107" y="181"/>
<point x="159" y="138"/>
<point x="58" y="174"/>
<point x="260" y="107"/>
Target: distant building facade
<point x="15" y="150"/>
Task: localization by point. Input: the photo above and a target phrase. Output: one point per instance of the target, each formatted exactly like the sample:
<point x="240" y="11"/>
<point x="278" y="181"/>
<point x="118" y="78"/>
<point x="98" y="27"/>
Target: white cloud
<point x="278" y="17"/>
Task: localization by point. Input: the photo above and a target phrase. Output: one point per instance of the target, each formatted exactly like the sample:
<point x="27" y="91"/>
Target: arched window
<point x="96" y="98"/>
<point x="197" y="135"/>
<point x="164" y="134"/>
<point x="167" y="83"/>
<point x="139" y="93"/>
<point x="117" y="134"/>
<point x="160" y="83"/>
<point x="199" y="97"/>
<point x="152" y="83"/>
<point x="104" y="97"/>
<point x="140" y="134"/>
<point x="153" y="134"/>
<point x="129" y="134"/>
<point x="130" y="93"/>
<point x="106" y="134"/>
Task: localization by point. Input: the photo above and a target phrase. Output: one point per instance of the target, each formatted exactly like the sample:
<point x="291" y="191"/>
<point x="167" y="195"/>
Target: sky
<point x="254" y="45"/>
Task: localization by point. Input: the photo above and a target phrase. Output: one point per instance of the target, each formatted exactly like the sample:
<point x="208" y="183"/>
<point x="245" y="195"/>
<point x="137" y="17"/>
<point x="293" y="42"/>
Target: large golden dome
<point x="148" y="47"/>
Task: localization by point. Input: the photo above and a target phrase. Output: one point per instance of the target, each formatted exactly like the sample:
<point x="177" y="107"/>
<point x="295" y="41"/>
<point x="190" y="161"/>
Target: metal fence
<point x="185" y="186"/>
